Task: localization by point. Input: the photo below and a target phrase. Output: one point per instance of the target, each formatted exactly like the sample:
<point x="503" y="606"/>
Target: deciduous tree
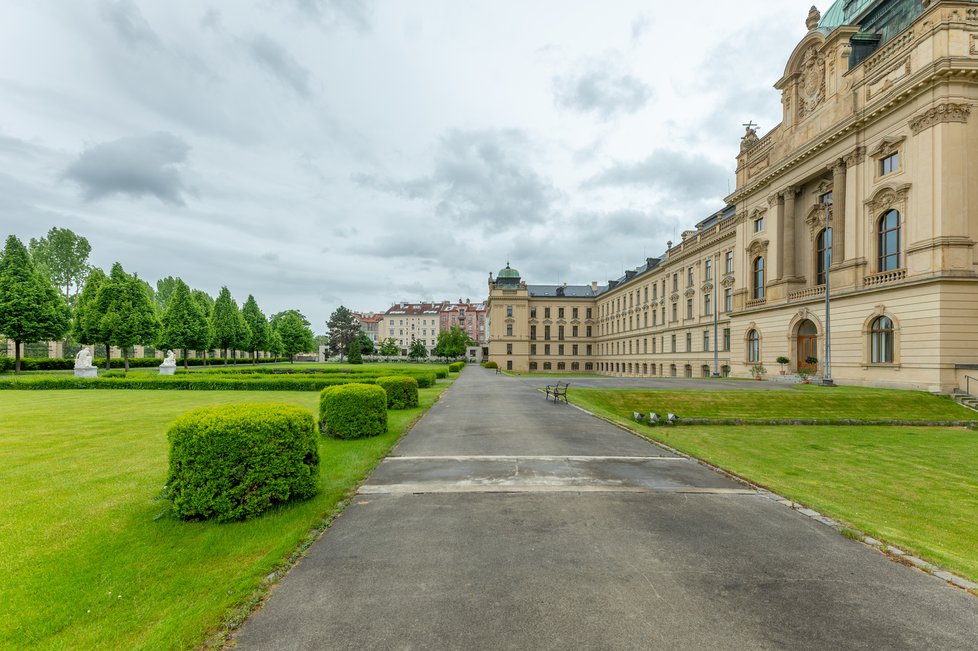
<point x="30" y="307"/>
<point x="127" y="316"/>
<point x="417" y="351"/>
<point x="258" y="328"/>
<point x="453" y="343"/>
<point x="343" y="329"/>
<point x="296" y="335"/>
<point x="184" y="323"/>
<point x="63" y="257"/>
<point x="389" y="347"/>
<point x="86" y="320"/>
<point x="230" y="329"/>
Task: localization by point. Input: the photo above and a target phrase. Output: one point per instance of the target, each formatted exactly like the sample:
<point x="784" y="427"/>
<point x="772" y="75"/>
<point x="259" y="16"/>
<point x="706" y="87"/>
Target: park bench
<point x="557" y="391"/>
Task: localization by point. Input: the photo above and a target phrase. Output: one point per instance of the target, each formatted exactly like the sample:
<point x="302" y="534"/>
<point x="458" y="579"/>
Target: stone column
<point x="788" y="241"/>
<point x="838" y="212"/>
<point x="777" y="203"/>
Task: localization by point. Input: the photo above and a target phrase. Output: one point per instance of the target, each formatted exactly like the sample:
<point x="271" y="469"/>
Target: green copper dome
<point x="508" y="273"/>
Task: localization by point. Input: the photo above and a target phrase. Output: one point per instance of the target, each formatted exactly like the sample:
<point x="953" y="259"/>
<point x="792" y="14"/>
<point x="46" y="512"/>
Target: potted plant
<point x="804" y="373"/>
<point x="783" y="361"/>
<point x="758" y="370"/>
<point x="812" y="363"/>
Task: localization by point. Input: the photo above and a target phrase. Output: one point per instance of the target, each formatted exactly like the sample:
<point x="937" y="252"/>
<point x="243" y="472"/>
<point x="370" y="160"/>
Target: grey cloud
<point x="480" y="178"/>
<point x="640" y="25"/>
<point x="275" y="59"/>
<point x="135" y="166"/>
<point x="331" y="13"/>
<point x="128" y="23"/>
<point x="601" y="90"/>
<point x="413" y="244"/>
<point x="690" y="177"/>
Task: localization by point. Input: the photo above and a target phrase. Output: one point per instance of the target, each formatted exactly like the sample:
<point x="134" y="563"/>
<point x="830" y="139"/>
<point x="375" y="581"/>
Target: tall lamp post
<point x="827" y="372"/>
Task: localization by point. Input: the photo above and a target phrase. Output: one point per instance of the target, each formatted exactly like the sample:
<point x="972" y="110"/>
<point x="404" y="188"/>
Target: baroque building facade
<point x="868" y="189"/>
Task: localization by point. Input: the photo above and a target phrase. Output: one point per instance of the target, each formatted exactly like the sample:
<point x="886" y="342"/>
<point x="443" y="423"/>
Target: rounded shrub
<point x="402" y="391"/>
<point x="233" y="462"/>
<point x="490" y="364"/>
<point x="425" y="380"/>
<point x="350" y="411"/>
<point x="456" y="367"/>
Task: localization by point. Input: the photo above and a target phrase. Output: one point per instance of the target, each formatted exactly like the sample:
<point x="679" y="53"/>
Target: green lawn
<point x="913" y="487"/>
<point x="803" y="401"/>
<point x="90" y="559"/>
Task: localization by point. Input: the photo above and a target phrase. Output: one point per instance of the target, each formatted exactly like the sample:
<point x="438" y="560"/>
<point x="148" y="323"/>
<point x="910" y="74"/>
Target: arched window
<point x="758" y="277"/>
<point x="753" y="347"/>
<point x="888" y="243"/>
<point x="823" y="255"/>
<point x="881" y="341"/>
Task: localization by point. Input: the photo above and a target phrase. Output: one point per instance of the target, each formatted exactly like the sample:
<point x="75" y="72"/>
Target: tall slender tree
<point x="63" y="257"/>
<point x="258" y="327"/>
<point x="127" y="314"/>
<point x="85" y="321"/>
<point x="184" y="324"/>
<point x="206" y="304"/>
<point x="230" y="329"/>
<point x="30" y="307"/>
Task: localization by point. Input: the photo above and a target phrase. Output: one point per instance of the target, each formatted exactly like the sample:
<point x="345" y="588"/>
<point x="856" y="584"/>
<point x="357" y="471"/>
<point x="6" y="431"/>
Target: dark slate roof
<point x="569" y="291"/>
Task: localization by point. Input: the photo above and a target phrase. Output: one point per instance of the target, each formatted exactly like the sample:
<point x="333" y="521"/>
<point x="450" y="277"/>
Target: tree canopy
<point x="417" y="351"/>
<point x="258" y="328"/>
<point x="453" y="343"/>
<point x="126" y="313"/>
<point x="30" y="307"/>
<point x="343" y="329"/>
<point x="85" y="321"/>
<point x="184" y="323"/>
<point x="230" y="329"/>
<point x="295" y="335"/>
<point x="63" y="257"/>
<point x="389" y="347"/>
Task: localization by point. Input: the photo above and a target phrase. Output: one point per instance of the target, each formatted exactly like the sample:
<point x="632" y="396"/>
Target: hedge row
<point x="234" y="462"/>
<point x="190" y="382"/>
<point x="441" y="373"/>
<point x="456" y="367"/>
<point x="353" y="411"/>
<point x="402" y="391"/>
<point x="68" y="363"/>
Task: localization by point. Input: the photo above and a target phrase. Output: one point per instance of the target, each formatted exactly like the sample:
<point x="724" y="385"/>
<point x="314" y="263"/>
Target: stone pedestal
<point x="86" y="372"/>
<point x="168" y="370"/>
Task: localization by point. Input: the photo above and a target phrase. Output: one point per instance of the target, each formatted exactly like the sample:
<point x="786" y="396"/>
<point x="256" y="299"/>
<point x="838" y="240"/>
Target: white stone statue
<point x="83" y="359"/>
<point x="83" y="364"/>
<point x="169" y="365"/>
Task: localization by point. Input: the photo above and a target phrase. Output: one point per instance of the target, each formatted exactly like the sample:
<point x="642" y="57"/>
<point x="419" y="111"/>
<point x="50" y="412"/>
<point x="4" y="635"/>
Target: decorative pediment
<point x="887" y="146"/>
<point x="816" y="218"/>
<point x="757" y="212"/>
<point x="728" y="280"/>
<point x="757" y="247"/>
<point x="690" y="292"/>
<point x="825" y="185"/>
<point x="887" y="197"/>
<point x="811" y="86"/>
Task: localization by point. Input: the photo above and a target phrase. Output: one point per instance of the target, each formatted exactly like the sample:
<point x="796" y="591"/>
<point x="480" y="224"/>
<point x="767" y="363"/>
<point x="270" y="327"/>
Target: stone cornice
<point x="944" y="112"/>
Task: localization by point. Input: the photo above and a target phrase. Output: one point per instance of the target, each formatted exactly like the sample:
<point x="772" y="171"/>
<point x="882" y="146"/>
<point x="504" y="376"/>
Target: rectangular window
<point x="728" y="300"/>
<point x="726" y="338"/>
<point x="675" y="311"/>
<point x="533" y="312"/>
<point x="689" y="342"/>
<point x="645" y="345"/>
<point x="560" y="349"/>
<point x="758" y="224"/>
<point x="655" y="291"/>
<point x="560" y="313"/>
<point x="575" y="332"/>
<point x="689" y="277"/>
<point x="654" y="314"/>
<point x="573" y="312"/>
<point x="689" y="308"/>
<point x="560" y="332"/>
<point x="509" y="329"/>
<point x="708" y="269"/>
<point x="546" y="332"/>
<point x="561" y="366"/>
<point x="509" y="349"/>
<point x="588" y="349"/>
<point x="587" y="313"/>
<point x="707" y="304"/>
<point x="546" y="313"/>
<point x="509" y="310"/>
<point x="587" y="329"/>
<point x="574" y="349"/>
<point x="533" y="332"/>
<point x="673" y="342"/>
<point x="533" y="349"/>
<point x="675" y="282"/>
<point x="706" y="340"/>
<point x="653" y="349"/>
<point x="889" y="164"/>
<point x="546" y="349"/>
<point x="575" y="366"/>
<point x="729" y="262"/>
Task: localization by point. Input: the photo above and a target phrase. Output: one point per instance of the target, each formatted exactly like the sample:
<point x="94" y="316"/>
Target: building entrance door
<point x="807" y="344"/>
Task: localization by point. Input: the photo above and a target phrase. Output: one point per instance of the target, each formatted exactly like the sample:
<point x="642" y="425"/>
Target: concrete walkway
<point x="506" y="522"/>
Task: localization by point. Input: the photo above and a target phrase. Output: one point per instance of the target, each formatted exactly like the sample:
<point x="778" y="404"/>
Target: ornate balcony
<point x="884" y="278"/>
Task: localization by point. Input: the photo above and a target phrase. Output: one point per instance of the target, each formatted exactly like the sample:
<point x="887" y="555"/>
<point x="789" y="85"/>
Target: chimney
<point x="594" y="285"/>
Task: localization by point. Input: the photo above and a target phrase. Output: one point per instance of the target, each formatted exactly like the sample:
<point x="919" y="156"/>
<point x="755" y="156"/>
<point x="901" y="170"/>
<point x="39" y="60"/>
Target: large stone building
<point x="868" y="189"/>
<point x="407" y="322"/>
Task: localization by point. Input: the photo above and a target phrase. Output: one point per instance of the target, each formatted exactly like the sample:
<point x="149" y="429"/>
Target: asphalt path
<point x="503" y="521"/>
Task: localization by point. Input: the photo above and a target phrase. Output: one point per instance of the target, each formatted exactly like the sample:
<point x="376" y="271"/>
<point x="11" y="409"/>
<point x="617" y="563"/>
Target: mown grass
<point x="913" y="487"/>
<point x="805" y="401"/>
<point x="91" y="559"/>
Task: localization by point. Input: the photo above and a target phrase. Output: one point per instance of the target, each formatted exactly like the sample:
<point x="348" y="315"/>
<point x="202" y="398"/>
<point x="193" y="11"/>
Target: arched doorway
<point x="807" y="343"/>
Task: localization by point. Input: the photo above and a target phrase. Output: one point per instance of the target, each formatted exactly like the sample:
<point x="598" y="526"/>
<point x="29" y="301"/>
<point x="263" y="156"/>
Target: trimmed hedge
<point x="490" y="364"/>
<point x="353" y="411"/>
<point x="185" y="382"/>
<point x="234" y="462"/>
<point x="402" y="391"/>
<point x="68" y="363"/>
<point x="456" y="367"/>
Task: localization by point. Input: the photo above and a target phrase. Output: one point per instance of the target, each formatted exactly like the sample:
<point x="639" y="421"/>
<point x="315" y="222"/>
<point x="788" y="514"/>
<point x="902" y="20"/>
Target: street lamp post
<point x="827" y="372"/>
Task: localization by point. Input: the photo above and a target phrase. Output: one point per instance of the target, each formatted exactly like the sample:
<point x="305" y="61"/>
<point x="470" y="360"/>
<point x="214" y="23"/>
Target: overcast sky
<point x="325" y="152"/>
